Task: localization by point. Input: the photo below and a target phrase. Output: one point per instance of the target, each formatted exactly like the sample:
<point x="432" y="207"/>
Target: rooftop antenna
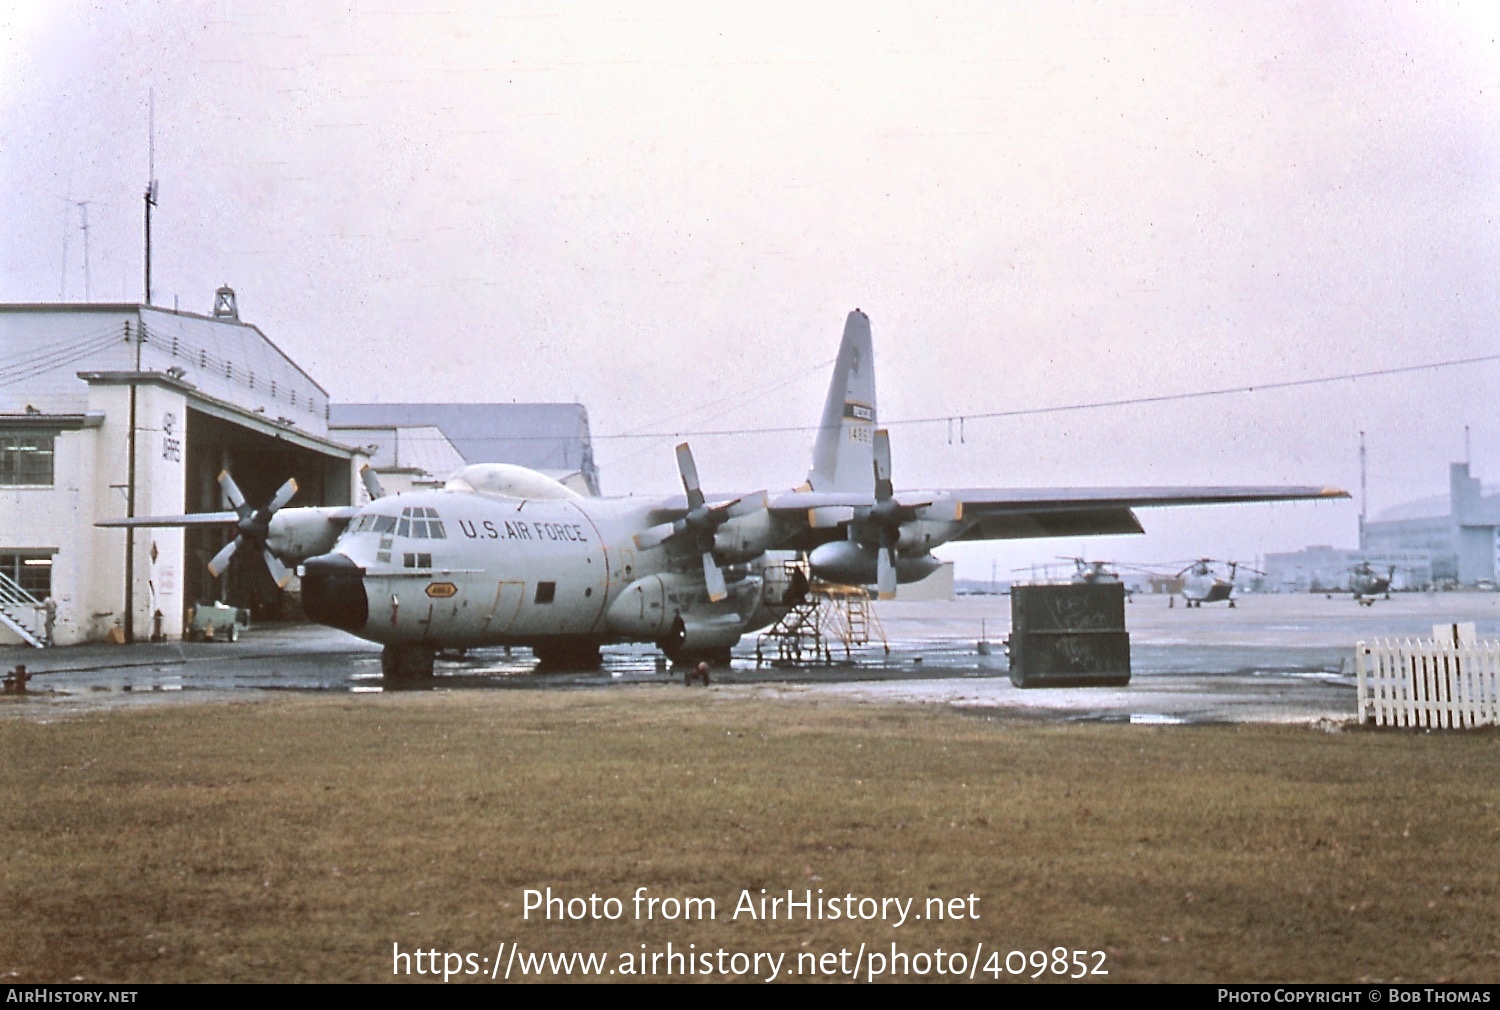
<point x="62" y="288"/>
<point x="150" y="182"/>
<point x="1363" y="491"/>
<point x="83" y="213"/>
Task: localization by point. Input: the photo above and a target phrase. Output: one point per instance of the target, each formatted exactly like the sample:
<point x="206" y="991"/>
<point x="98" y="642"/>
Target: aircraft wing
<point x="281" y="535"/>
<point x="332" y="513"/>
<point x="191" y="519"/>
<point x="1019" y="513"/>
<point x="816" y="518"/>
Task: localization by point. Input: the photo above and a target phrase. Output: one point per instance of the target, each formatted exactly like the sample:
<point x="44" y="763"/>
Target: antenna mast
<point x="62" y="289"/>
<point x="1363" y="491"/>
<point x="150" y="184"/>
<point x="83" y="211"/>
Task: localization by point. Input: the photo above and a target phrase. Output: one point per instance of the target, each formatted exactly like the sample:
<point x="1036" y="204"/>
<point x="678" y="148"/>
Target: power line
<point x="1201" y="394"/>
<point x="33" y="363"/>
<point x="1092" y="405"/>
<point x="1258" y="387"/>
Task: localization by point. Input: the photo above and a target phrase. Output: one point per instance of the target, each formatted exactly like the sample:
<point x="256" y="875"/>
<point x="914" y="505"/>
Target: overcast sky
<point x="665" y="211"/>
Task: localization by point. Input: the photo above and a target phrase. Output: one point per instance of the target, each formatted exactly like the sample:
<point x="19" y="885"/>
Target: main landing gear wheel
<point x="406" y="665"/>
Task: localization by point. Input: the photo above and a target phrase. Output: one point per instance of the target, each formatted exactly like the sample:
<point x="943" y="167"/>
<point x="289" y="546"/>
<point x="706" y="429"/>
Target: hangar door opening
<point x="260" y="463"/>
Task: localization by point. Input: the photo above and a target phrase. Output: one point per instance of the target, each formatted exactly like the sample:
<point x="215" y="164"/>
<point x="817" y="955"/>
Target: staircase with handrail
<point x="22" y="613"/>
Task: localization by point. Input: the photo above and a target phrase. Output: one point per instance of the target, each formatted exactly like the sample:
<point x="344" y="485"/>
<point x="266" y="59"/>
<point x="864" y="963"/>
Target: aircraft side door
<point x="503" y="611"/>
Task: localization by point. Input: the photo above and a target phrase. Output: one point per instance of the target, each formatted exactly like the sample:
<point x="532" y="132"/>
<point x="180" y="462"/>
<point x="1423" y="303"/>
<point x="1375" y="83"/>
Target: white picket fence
<point x="1429" y="682"/>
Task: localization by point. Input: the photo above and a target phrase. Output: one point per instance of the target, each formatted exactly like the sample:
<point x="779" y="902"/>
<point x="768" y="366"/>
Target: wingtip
<point x="1333" y="492"/>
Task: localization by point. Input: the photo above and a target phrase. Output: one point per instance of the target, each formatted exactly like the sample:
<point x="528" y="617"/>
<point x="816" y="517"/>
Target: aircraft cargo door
<point x="508" y="597"/>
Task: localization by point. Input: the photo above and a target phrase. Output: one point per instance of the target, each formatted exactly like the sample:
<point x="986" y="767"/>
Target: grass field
<point x="307" y="838"/>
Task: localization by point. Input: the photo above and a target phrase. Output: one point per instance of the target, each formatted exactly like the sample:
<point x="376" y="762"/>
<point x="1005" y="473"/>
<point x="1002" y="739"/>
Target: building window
<point x="26" y="457"/>
<point x="31" y="571"/>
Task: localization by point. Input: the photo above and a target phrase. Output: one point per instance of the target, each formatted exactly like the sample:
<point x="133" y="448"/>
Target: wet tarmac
<point x="1271" y="658"/>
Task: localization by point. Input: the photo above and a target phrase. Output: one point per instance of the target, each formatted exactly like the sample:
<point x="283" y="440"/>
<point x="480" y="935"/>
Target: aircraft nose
<point x="333" y="592"/>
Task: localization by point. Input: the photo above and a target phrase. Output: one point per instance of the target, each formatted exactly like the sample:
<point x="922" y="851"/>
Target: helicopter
<point x="1085" y="573"/>
<point x="1366" y="583"/>
<point x="1092" y="572"/>
<point x="1202" y="584"/>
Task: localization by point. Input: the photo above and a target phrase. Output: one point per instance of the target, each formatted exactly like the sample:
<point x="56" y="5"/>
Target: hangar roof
<point x="542" y="436"/>
<point x="423" y="448"/>
<point x="46" y="346"/>
<point x="1436" y="506"/>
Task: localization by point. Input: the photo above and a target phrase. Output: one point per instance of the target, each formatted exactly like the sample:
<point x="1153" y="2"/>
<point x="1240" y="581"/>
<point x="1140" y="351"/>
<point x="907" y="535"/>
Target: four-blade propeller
<point x="697" y="527"/>
<point x="254" y="527"/>
<point x="883" y="520"/>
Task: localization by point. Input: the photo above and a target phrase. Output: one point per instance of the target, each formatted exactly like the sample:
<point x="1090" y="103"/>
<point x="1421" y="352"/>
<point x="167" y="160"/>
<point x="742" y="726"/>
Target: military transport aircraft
<point x="503" y="555"/>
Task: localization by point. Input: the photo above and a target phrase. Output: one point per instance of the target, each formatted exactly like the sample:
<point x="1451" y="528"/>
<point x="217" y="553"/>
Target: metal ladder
<point x="829" y="614"/>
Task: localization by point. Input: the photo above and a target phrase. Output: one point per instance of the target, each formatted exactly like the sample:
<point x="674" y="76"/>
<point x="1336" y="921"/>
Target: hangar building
<point x="1461" y="532"/>
<point x="1451" y="539"/>
<point x="409" y="437"/>
<point x="111" y="410"/>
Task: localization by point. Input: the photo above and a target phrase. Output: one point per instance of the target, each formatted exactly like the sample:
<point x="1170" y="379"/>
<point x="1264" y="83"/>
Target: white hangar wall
<point x="209" y="392"/>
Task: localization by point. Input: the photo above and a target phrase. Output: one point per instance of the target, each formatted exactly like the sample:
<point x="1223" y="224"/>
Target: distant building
<point x="1322" y="569"/>
<point x="405" y="458"/>
<point x="552" y="438"/>
<point x="1458" y="533"/>
<point x="1444" y="539"/>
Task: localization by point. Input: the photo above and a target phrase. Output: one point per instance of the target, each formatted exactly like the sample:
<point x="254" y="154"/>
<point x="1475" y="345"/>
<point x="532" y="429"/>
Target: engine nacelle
<point x="744" y="538"/>
<point x="642" y="610"/>
<point x="298" y="534"/>
<point x="925" y="534"/>
<point x="703" y="638"/>
<point x="852" y="564"/>
<point x="650" y="607"/>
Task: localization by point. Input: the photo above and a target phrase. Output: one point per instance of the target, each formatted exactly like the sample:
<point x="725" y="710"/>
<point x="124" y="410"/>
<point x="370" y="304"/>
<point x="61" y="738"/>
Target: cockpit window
<point x="420" y="523"/>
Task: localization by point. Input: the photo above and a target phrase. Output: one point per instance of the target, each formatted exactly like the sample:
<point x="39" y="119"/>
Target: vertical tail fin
<point x="843" y="456"/>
